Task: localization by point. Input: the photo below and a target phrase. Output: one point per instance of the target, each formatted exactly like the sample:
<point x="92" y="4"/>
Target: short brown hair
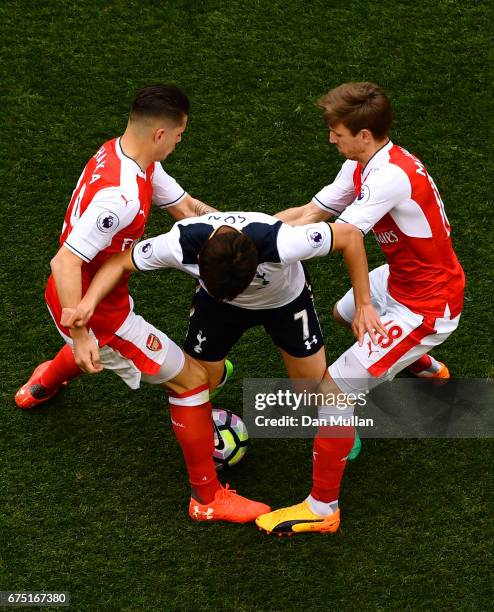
<point x="160" y="102"/>
<point x="227" y="264"/>
<point x="358" y="106"/>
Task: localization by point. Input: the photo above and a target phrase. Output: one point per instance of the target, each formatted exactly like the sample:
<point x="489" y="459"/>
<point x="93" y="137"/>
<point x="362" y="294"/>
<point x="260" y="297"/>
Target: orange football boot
<point x="227" y="506"/>
<point x="33" y="393"/>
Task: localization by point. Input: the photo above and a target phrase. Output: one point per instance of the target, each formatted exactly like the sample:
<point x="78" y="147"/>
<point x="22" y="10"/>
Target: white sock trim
<point x="322" y="508"/>
<point x="202" y="397"/>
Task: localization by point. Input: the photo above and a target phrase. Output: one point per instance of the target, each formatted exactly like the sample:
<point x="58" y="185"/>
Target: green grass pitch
<point x="92" y="488"/>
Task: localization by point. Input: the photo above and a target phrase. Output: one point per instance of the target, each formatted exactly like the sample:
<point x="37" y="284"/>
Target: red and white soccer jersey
<point x="394" y="196"/>
<point x="107" y="214"/>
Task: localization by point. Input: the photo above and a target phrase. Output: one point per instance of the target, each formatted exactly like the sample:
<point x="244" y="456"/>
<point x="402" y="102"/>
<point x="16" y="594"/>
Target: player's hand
<point x="86" y="352"/>
<point x="366" y="320"/>
<point x="76" y="317"/>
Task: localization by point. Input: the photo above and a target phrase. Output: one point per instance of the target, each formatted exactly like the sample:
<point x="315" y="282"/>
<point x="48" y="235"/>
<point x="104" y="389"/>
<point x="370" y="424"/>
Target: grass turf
<point x="92" y="489"/>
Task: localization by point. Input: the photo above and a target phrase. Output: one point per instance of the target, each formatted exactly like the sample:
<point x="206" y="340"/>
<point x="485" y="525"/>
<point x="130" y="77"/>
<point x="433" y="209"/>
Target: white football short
<point x="140" y="352"/>
<point x="410" y="335"/>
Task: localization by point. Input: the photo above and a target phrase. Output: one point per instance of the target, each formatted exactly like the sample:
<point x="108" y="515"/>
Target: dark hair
<point x="227" y="264"/>
<point x="358" y="106"/>
<point x="160" y="102"/>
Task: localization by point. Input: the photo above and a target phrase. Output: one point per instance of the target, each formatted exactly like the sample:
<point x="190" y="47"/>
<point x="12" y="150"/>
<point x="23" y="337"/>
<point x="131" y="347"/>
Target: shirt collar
<point x="377" y="158"/>
<point x="123" y="156"/>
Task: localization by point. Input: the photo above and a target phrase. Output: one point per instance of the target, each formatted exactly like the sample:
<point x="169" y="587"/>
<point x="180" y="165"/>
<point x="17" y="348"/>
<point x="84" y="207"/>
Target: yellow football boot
<point x="298" y="519"/>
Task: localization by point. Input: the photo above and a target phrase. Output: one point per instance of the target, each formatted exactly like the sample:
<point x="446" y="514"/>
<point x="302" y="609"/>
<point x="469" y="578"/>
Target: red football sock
<point x="423" y="363"/>
<point x="193" y="427"/>
<point x="62" y="368"/>
<point x="331" y="447"/>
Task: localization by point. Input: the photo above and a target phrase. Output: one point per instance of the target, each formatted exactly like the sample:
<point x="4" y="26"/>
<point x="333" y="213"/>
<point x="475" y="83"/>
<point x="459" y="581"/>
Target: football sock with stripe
<point x="332" y="444"/>
<point x="192" y="423"/>
<point x="62" y="368"/>
<point x="425" y="363"/>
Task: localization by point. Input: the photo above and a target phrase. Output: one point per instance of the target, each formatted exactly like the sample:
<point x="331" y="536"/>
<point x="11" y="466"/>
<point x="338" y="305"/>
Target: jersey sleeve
<point x="108" y="213"/>
<point x="166" y="191"/>
<point x="156" y="253"/>
<point x="334" y="198"/>
<point x="383" y="189"/>
<point x="304" y="242"/>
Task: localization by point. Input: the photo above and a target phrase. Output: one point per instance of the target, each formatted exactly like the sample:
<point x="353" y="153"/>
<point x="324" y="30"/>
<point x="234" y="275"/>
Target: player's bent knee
<point x="197" y="375"/>
<point x="328" y="386"/>
<point x="350" y="376"/>
<point x="215" y="370"/>
<point x="190" y="377"/>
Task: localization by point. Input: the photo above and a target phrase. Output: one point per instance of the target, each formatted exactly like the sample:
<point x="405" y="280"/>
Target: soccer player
<point x="250" y="273"/>
<point x="418" y="293"/>
<point x="249" y="270"/>
<point x="107" y="214"/>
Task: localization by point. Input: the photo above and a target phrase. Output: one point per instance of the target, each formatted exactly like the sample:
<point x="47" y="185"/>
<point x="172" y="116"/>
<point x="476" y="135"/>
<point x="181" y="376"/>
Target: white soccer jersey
<point x="279" y="278"/>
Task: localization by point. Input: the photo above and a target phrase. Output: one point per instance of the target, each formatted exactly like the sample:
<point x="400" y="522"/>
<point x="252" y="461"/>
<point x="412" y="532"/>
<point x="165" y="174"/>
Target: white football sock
<point x="322" y="508"/>
<point x="434" y="367"/>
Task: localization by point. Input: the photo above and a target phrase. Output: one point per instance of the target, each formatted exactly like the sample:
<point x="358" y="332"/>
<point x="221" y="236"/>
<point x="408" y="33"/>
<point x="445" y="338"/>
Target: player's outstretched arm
<point x="303" y="215"/>
<point x="103" y="282"/>
<point x="189" y="207"/>
<point x="349" y="240"/>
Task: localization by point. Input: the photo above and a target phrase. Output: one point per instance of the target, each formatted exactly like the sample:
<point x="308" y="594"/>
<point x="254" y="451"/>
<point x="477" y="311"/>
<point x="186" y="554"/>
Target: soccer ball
<point x="230" y="438"/>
